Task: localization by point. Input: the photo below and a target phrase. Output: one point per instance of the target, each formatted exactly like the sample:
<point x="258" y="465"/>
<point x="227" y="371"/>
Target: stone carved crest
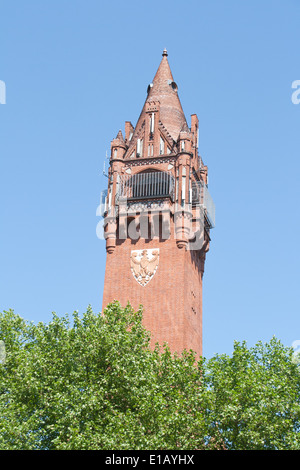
<point x="144" y="264"/>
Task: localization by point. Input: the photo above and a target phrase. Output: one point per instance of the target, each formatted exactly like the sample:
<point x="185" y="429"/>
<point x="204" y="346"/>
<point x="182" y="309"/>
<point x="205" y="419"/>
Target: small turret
<point x="118" y="147"/>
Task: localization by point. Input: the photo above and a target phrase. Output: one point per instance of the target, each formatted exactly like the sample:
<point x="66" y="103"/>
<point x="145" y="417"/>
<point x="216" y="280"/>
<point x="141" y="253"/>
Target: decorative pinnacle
<point x="165" y="53"/>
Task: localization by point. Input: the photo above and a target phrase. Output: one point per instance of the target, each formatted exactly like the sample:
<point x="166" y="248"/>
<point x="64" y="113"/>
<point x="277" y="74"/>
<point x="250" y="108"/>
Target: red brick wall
<point x="171" y="299"/>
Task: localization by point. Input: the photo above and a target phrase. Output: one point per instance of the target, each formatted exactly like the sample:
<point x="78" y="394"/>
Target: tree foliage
<point x="255" y="397"/>
<point x="94" y="382"/>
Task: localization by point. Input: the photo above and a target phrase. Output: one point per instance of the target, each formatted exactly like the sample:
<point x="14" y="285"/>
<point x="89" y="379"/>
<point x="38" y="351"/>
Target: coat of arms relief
<point x="144" y="264"/>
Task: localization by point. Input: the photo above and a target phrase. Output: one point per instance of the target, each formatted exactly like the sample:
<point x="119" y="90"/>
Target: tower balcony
<point x="157" y="185"/>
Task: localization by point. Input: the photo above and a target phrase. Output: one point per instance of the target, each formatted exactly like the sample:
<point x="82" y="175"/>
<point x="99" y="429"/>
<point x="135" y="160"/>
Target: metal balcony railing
<point x="155" y="184"/>
<point x="102" y="208"/>
<point x="201" y="196"/>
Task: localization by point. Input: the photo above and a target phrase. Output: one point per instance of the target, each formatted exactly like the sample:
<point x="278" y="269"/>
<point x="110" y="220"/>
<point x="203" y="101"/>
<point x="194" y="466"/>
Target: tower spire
<point x="164" y="92"/>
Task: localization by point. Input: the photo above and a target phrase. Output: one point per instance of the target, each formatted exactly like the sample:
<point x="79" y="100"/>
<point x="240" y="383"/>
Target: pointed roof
<point x="185" y="128"/>
<point x="164" y="89"/>
<point x="120" y="137"/>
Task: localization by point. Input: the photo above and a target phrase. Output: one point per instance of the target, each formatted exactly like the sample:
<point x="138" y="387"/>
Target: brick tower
<point x="157" y="217"/>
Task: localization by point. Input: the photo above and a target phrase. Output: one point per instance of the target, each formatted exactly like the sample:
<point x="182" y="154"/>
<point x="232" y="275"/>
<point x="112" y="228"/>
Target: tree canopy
<point x="94" y="382"/>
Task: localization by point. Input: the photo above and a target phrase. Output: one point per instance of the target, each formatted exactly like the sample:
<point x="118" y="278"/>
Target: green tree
<point x="95" y="383"/>
<point x="254" y="398"/>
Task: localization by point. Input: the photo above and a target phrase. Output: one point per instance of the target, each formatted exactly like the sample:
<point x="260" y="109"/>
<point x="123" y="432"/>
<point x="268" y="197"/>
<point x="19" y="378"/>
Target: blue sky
<point x="75" y="71"/>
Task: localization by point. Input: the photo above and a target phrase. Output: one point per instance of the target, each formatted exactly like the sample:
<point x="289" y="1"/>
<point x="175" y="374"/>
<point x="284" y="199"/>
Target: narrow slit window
<point x="161" y="146"/>
<point x="139" y="147"/>
<point x="152" y="123"/>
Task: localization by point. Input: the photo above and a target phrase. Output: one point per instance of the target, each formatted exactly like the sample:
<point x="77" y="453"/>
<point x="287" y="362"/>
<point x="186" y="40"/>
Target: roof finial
<point x="165" y="53"/>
